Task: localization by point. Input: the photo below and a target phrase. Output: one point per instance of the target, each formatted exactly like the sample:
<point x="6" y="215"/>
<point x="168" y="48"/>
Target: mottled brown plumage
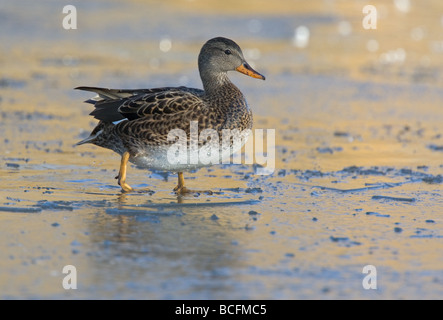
<point x="146" y="116"/>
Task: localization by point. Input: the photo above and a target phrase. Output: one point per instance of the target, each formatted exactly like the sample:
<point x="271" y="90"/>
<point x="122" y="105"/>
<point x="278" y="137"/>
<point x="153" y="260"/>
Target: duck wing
<point x="118" y="104"/>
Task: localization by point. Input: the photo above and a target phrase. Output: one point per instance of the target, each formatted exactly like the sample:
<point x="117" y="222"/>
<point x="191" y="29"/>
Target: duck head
<point x="220" y="55"/>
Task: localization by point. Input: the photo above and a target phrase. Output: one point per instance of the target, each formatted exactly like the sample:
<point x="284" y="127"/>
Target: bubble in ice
<point x="165" y="44"/>
<point x="393" y="56"/>
<point x="372" y="45"/>
<point x="301" y="37"/>
<point x="344" y="28"/>
<point x="252" y="54"/>
<point x="403" y="5"/>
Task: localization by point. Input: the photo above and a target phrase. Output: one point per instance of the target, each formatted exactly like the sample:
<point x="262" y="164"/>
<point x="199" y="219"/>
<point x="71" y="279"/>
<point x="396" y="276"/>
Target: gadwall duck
<point x="137" y="124"/>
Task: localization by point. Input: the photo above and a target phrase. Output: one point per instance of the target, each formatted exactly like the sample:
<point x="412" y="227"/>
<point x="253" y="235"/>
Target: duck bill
<point x="247" y="70"/>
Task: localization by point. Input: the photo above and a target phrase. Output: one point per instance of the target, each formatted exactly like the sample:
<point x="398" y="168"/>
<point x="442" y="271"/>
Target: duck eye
<point x="228" y="52"/>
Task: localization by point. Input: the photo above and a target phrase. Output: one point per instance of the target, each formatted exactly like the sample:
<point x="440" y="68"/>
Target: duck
<point x="137" y="123"/>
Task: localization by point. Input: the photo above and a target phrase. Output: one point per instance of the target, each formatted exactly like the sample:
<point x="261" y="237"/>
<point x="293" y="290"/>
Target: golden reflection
<point x="351" y="108"/>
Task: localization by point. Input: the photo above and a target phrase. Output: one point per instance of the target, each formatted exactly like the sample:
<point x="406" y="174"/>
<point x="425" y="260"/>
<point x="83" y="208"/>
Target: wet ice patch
<point x="20" y="209"/>
<point x="55" y="205"/>
<point x="435" y="147"/>
<point x="393" y="198"/>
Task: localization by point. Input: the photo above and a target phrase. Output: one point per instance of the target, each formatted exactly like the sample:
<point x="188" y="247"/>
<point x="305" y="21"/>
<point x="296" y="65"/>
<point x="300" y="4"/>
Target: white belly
<point x="179" y="158"/>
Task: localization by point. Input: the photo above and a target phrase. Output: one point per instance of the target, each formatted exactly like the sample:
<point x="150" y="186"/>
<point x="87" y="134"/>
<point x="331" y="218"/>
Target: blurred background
<point x="353" y="108"/>
<point x="317" y="55"/>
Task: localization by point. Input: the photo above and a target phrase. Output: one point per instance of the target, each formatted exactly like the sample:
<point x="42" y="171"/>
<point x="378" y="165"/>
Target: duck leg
<point x="122" y="173"/>
<point x="181" y="189"/>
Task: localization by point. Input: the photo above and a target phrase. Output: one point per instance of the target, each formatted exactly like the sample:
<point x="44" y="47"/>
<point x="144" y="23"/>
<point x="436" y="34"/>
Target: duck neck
<point x="213" y="82"/>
